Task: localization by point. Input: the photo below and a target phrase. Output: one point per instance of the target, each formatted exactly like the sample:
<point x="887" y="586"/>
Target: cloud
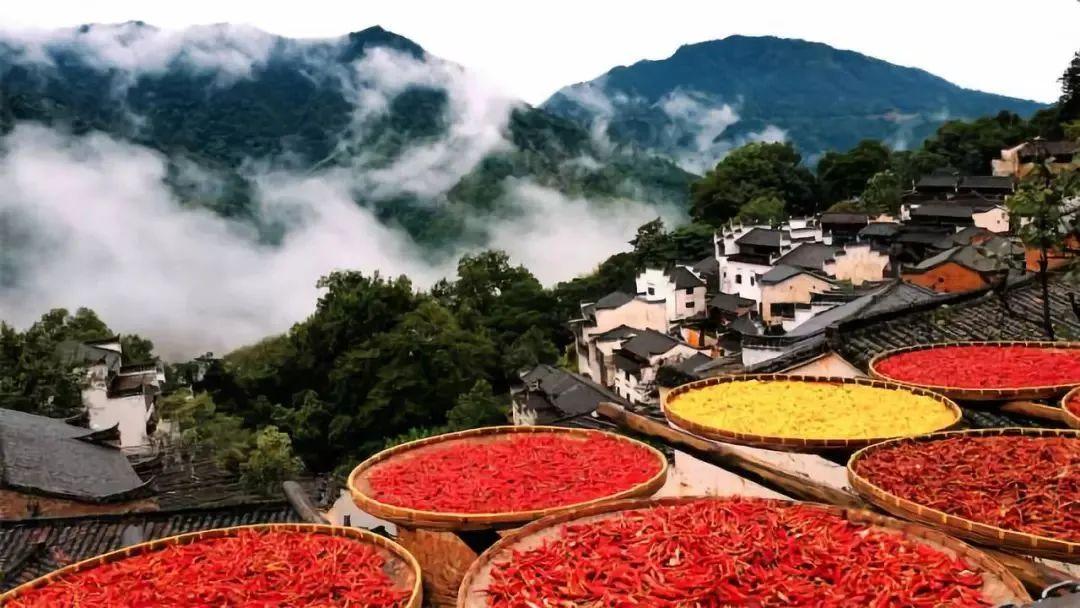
<point x="135" y="49"/>
<point x="704" y="121"/>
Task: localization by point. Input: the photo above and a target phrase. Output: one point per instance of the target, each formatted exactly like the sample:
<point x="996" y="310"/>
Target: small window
<point x="690" y="304"/>
<point x="751" y="281"/>
<point x="652" y="292"/>
<point x="738" y="279"/>
<point x="689" y="291"/>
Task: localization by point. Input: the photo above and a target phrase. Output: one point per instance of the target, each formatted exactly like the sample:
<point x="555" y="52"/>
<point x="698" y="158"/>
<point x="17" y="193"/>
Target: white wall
<point x="749" y="288"/>
<point x="130" y="413"/>
<point x="663" y="290"/>
<point x="859" y="263"/>
<point x="994" y="220"/>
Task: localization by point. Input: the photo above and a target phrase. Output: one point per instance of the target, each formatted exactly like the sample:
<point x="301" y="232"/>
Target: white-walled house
<point x="116" y="395"/>
<point x="609" y="312"/>
<point x="639" y="359"/>
<point x="854" y="262"/>
<point x="744" y="253"/>
<point x="680" y="289"/>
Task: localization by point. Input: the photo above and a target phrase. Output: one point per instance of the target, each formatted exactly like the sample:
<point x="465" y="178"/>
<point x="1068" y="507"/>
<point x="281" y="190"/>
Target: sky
<point x="530" y="50"/>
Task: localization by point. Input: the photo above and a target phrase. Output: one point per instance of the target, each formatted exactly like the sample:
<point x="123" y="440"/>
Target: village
<point x="812" y="297"/>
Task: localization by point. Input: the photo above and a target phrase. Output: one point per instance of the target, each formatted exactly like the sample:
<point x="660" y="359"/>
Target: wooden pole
<point x="302" y="504"/>
<point x="1034" y="410"/>
<point x="787" y="482"/>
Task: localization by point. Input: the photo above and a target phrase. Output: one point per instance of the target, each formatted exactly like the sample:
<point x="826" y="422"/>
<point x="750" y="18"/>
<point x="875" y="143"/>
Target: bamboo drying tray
<point x="1071" y="419"/>
<point x="984" y="534"/>
<point x="1000" y="583"/>
<point x="790" y="444"/>
<point x="401" y="566"/>
<point x="961" y="393"/>
<point x="415" y="518"/>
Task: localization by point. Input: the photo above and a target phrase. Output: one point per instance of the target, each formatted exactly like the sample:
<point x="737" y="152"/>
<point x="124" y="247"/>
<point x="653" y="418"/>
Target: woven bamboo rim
<point x="792" y="444"/>
<point x="1071" y="418"/>
<point x="984" y="534"/>
<point x="417" y="518"/>
<point x="961" y="393"/>
<point x="471" y="593"/>
<point x="394" y="550"/>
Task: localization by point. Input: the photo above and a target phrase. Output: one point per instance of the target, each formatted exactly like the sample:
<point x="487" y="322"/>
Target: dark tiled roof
<point x="45" y="456"/>
<point x="614" y="299"/>
<point x="1053" y="148"/>
<point x="937" y="181"/>
<point x="761" y="237"/>
<point x="76" y="353"/>
<point x="708" y="266"/>
<point x="783" y="272"/>
<point x="690" y="364"/>
<point x="923" y="235"/>
<point x="844" y="218"/>
<point x="745" y="326"/>
<point x="957" y="317"/>
<point x="35" y="547"/>
<point x="568" y="393"/>
<point x="619" y="333"/>
<point x="966" y="256"/>
<point x="130" y="384"/>
<point x="882" y="229"/>
<point x="987" y="182"/>
<point x="942" y="210"/>
<point x="809" y="255"/>
<point x="649" y="343"/>
<point x="684" y="279"/>
<point x="626" y="364"/>
<point x="730" y="302"/>
<point x="964" y="237"/>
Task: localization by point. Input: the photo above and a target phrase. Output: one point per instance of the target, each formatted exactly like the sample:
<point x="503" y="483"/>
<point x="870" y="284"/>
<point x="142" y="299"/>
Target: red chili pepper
<point x="515" y="473"/>
<point x="253" y="569"/>
<point x="733" y="552"/>
<point x="1022" y="483"/>
<point x="985" y="366"/>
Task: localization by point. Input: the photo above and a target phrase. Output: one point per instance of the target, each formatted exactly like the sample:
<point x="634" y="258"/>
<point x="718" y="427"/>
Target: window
<point x="652" y="292"/>
<point x="738" y="279"/>
<point x="751" y="281"/>
<point x="689" y="291"/>
<point x="690" y="304"/>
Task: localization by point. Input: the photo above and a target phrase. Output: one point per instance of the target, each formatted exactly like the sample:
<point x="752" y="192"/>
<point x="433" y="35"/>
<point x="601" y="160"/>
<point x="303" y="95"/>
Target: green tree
<point x="843" y="175"/>
<point x="136" y="348"/>
<point x="970" y="146"/>
<point x="751" y="171"/>
<point x="478" y="407"/>
<point x="1040" y="203"/>
<point x="766" y="209"/>
<point x="529" y="350"/>
<point x="1069" y="104"/>
<point x="882" y="193"/>
<point x="270" y="462"/>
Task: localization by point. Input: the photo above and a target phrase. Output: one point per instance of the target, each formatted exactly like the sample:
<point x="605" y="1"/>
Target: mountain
<point x="711" y="96"/>
<point x="412" y="137"/>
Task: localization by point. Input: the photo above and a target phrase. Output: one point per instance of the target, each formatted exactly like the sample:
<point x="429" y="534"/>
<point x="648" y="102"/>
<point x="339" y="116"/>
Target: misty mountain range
<point x="185" y="180"/>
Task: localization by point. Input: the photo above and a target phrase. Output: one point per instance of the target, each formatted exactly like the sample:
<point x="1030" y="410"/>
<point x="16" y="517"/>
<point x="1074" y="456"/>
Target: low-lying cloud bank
<point x="100" y="229"/>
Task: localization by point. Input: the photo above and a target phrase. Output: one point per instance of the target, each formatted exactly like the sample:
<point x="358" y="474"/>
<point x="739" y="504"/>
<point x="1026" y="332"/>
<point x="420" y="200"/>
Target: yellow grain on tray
<point x="811" y="410"/>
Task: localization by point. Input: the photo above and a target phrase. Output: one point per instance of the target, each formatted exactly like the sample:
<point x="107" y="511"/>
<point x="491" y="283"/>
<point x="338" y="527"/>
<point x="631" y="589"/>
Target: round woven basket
<point x="401" y="567"/>
<point x="1072" y="419"/>
<point x="961" y="393"/>
<point x="415" y="518"/>
<point x="790" y="444"/>
<point x="991" y="536"/>
<point x="1000" y="583"/>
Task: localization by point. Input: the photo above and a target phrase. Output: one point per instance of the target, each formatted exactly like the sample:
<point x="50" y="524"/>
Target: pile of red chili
<point x="1024" y="483"/>
<point x="519" y="472"/>
<point x="732" y="552"/>
<point x="984" y="366"/>
<point x="253" y="569"/>
<point x="1073" y="404"/>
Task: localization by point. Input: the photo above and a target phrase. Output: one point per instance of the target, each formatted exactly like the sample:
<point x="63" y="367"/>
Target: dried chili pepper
<point x="985" y="366"/>
<point x="731" y="552"/>
<point x="252" y="569"/>
<point x="1023" y="483"/>
<point x="520" y="472"/>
